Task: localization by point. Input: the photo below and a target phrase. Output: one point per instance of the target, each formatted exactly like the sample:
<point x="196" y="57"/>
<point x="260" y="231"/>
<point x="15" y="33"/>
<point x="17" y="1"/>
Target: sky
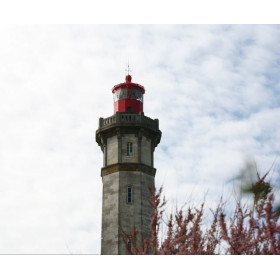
<point x="214" y="88"/>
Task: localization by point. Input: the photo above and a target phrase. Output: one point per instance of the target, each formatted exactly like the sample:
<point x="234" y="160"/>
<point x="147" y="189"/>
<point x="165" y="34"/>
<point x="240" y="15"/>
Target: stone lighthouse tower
<point x="128" y="140"/>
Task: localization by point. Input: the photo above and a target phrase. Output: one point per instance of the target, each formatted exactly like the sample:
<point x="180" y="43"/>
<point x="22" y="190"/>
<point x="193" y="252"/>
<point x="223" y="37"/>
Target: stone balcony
<point x="128" y="119"/>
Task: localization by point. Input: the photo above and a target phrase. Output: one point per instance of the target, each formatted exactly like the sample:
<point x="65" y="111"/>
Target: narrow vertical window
<point x="129" y="244"/>
<point x="129" y="195"/>
<point x="129" y="149"/>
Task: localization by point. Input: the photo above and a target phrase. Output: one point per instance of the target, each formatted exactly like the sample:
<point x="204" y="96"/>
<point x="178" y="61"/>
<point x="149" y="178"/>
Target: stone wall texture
<point x="121" y="171"/>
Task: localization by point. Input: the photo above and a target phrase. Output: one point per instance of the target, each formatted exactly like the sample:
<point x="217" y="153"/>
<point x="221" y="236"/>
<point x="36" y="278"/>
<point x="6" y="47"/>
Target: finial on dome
<point x="128" y="77"/>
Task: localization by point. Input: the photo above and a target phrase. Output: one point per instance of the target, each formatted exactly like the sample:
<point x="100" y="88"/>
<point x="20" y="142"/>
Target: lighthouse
<point x="128" y="140"/>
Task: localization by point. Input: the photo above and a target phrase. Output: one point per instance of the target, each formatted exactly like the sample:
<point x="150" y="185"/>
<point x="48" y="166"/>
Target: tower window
<point x="129" y="244"/>
<point x="129" y="195"/>
<point x="129" y="149"/>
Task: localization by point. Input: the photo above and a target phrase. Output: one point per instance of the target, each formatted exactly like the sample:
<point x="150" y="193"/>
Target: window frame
<point x="129" y="149"/>
<point x="129" y="243"/>
<point x="129" y="195"/>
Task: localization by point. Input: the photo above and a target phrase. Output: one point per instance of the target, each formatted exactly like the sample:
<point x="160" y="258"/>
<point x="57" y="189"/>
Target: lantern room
<point x="128" y="96"/>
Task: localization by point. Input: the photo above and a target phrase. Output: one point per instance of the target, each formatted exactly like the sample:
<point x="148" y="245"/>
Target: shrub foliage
<point x="251" y="230"/>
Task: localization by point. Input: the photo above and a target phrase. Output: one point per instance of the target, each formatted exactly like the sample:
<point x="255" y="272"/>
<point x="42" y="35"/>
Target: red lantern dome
<point x="128" y="96"/>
